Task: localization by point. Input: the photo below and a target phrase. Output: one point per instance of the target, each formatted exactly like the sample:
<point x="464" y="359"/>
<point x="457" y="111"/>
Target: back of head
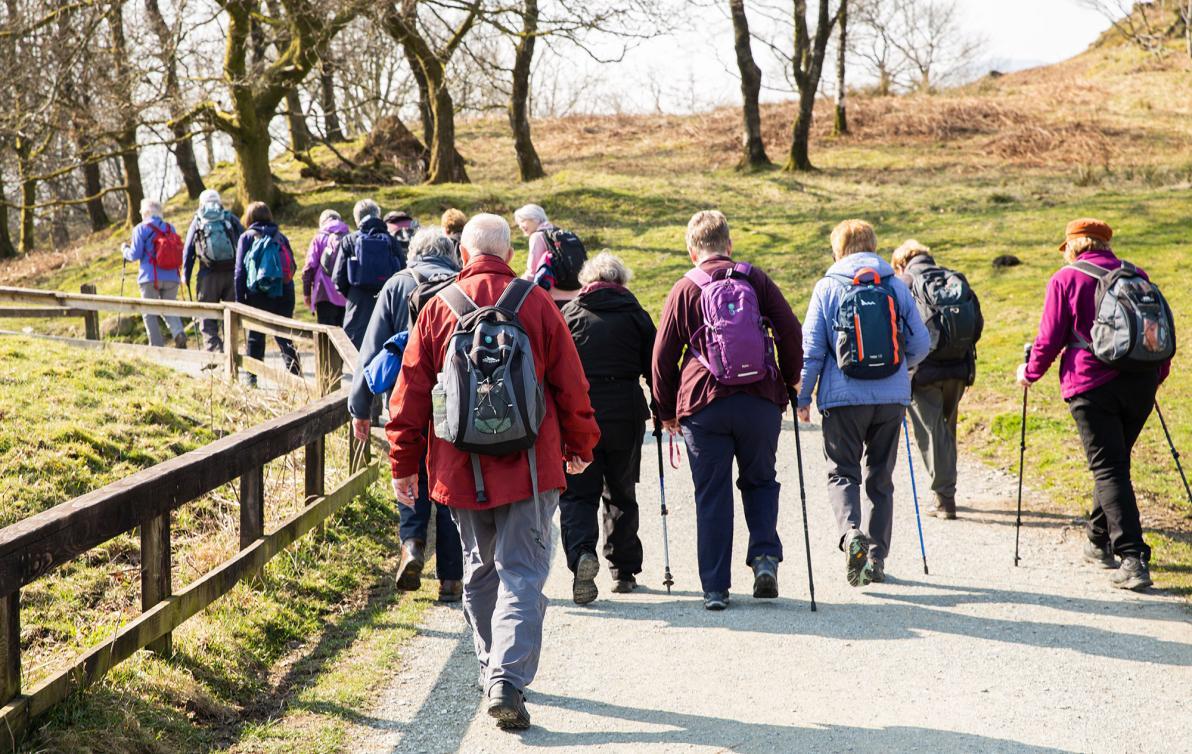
<point x="533" y="212"/>
<point x="708" y="234"/>
<point x="257" y="213"/>
<point x="605" y="267"/>
<point x="365" y="209"/>
<point x="150" y="208"/>
<point x="432" y="242"/>
<point x="903" y="255"/>
<point x="329" y="216"/>
<point x="453" y="221"/>
<point x="853" y="237"/>
<point x="486" y="234"/>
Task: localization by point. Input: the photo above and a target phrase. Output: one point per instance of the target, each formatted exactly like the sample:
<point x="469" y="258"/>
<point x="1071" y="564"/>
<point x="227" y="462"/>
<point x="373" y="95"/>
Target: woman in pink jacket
<point x="1110" y="407"/>
<point x="318" y="292"/>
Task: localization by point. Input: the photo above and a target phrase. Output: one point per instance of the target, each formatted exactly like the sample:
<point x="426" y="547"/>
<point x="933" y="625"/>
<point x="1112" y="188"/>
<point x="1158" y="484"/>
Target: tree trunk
<point x="127" y="138"/>
<point x="7" y="249"/>
<point x="299" y="133"/>
<point x="446" y="164"/>
<point x="184" y="149"/>
<point x="28" y="202"/>
<point x="840" y="127"/>
<point x="134" y="187"/>
<point x="800" y="158"/>
<point x="92" y="186"/>
<point x="425" y="111"/>
<point x="332" y="128"/>
<point x="809" y="52"/>
<point x="528" y="163"/>
<point x="751" y="85"/>
<point x="188" y="164"/>
<point x="254" y="179"/>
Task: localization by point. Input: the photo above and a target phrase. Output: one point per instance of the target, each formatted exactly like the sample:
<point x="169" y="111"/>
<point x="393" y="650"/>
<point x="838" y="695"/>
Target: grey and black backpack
<point x="488" y="400"/>
<point x="1134" y="330"/>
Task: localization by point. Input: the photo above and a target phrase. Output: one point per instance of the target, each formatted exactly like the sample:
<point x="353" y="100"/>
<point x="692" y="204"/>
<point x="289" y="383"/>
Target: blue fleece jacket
<point x="819" y="342"/>
<point x="141" y="250"/>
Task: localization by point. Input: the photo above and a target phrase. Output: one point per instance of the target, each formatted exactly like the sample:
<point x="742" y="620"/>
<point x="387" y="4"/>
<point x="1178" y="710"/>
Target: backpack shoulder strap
<point x="699" y="277"/>
<point x="457" y="301"/>
<point x="419" y="278"/>
<point x="515" y="295"/>
<point x="1088" y="268"/>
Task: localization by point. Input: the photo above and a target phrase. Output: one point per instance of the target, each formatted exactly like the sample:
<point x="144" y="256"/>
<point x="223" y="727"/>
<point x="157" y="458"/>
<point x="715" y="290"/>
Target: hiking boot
<point x="877" y="570"/>
<point x="856" y="547"/>
<point x="409" y="571"/>
<point x="1100" y="555"/>
<point x="451" y="590"/>
<point x="625" y="585"/>
<point x="180" y="341"/>
<point x="583" y="588"/>
<point x="765" y="577"/>
<point x="945" y="507"/>
<point x="715" y="600"/>
<point x="1133" y="574"/>
<point x="508" y="706"/>
<point x="215" y="346"/>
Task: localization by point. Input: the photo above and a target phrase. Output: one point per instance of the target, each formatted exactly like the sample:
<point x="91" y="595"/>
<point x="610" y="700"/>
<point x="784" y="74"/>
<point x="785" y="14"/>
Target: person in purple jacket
<point x="318" y="289"/>
<point x="1110" y="407"/>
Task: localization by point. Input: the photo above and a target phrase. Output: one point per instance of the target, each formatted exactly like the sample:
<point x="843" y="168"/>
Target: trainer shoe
<point x="625" y="585"/>
<point x="856" y="547"/>
<point x="765" y="577"/>
<point x="715" y="600"/>
<point x="1133" y="574"/>
<point x="583" y="588"/>
<point x="409" y="570"/>
<point x="877" y="570"/>
<point x="507" y="705"/>
<point x="1099" y="555"/>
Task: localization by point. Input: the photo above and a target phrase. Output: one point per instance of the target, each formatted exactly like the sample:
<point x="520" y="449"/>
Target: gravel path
<point x="978" y="656"/>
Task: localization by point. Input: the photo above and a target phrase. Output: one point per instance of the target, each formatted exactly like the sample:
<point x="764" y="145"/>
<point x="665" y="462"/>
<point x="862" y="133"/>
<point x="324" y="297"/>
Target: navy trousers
<point x="415" y="524"/>
<point x="746" y="428"/>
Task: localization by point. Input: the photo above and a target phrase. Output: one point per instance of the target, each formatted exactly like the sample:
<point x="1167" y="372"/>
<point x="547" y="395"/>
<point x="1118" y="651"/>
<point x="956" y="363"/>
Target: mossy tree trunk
<point x="808" y="65"/>
<point x="840" y="127"/>
<point x="529" y="165"/>
<point x="7" y="249"/>
<point x="754" y="156"/>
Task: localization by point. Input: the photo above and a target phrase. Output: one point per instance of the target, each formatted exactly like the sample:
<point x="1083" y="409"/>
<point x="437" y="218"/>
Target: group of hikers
<point x="511" y="396"/>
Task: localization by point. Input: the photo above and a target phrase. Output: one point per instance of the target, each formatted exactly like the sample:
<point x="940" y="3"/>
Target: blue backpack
<point x="381" y="373"/>
<point x="373" y="260"/>
<point x="263" y="266"/>
<point x="869" y="340"/>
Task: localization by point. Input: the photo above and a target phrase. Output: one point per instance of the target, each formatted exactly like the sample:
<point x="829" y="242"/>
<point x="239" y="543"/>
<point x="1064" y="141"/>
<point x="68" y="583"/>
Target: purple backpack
<point x="734" y="343"/>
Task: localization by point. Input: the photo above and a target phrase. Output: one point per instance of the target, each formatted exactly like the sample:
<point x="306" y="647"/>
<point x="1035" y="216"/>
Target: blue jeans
<point x="744" y="427"/>
<point x="415" y="524"/>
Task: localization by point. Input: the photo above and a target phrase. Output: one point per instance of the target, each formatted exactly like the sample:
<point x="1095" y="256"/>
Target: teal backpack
<point x="263" y="266"/>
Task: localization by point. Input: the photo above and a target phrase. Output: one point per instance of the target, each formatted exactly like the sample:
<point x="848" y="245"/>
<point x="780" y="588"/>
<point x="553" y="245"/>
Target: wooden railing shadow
<point x="35" y="546"/>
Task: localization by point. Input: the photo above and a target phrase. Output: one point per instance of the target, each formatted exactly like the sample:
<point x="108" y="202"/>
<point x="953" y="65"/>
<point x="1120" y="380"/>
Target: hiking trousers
<point x="415" y="524"/>
<point x="358" y="312"/>
<point x="856" y="435"/>
<point x="744" y="427"/>
<point x="609" y="484"/>
<point x="505" y="570"/>
<point x="934" y="410"/>
<point x="1109" y="419"/>
<point x="254" y="344"/>
<point x="160" y="292"/>
<point x="213" y="287"/>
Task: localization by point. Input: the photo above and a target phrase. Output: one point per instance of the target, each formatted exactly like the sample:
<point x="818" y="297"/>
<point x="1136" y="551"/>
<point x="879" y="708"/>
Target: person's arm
<point x="564" y="373"/>
<point x="788" y="334"/>
<point x="135" y="250"/>
<point x="1055" y="329"/>
<point x="649" y="335"/>
<point x="918" y="339"/>
<point x="339" y="275"/>
<point x="238" y="275"/>
<point x="410" y="403"/>
<point x="817" y="332"/>
<point x="314" y="256"/>
<point x="537" y="248"/>
<point x="188" y="250"/>
<point x="668" y="349"/>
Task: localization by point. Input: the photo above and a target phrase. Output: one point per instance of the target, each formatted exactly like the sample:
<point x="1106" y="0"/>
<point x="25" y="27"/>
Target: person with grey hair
<point x="368" y="257"/>
<point x="211" y="241"/>
<point x="500" y="521"/>
<point x="615" y="339"/>
<point x="433" y="265"/>
<point x="545" y="242"/>
<point x="157" y="248"/>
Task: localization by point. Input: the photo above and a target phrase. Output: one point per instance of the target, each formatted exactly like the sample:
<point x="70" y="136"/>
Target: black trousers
<point x="255" y="341"/>
<point x="611" y="479"/>
<point x="1109" y="419"/>
<point x="327" y="313"/>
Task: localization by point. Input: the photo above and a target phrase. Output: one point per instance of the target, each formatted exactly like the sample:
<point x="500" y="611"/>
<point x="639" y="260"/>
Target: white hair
<point x="432" y="242"/>
<point x="150" y="208"/>
<point x="364" y="209"/>
<point x="210" y="196"/>
<point x="606" y="267"/>
<point x="486" y="234"/>
<point x="327" y="216"/>
<point x="530" y="212"/>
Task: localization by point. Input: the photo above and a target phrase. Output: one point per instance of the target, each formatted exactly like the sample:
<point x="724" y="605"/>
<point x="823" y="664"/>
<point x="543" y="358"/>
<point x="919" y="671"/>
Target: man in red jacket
<point x="505" y="562"/>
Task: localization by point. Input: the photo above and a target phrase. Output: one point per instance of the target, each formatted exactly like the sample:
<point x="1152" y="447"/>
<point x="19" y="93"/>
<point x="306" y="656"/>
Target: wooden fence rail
<point x="145" y="500"/>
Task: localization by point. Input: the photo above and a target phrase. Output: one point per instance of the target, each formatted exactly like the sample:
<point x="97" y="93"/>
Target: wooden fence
<point x="33" y="547"/>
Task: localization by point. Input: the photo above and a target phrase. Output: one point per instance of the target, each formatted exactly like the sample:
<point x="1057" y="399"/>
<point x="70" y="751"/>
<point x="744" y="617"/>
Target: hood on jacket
<point x="337" y="227"/>
<point x="854" y="263"/>
<point x="374" y="225"/>
<point x="266" y="228"/>
<point x="606" y="297"/>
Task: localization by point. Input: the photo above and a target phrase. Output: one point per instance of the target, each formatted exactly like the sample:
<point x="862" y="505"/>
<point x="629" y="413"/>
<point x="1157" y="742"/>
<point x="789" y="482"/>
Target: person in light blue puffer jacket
<point x="861" y="418"/>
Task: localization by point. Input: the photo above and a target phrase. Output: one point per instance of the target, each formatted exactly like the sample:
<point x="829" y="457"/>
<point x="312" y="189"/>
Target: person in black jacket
<point x="615" y="340"/>
<point x="362" y="294"/>
<point x="939" y="381"/>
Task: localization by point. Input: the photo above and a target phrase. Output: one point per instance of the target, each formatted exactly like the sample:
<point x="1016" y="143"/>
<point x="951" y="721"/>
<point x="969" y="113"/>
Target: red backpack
<point x="167" y="251"/>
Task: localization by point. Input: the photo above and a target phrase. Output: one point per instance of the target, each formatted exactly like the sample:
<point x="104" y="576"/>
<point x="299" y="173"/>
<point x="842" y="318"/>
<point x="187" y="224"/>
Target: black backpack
<point x="567" y="256"/>
<point x="428" y="286"/>
<point x="949" y="309"/>
<point x="869" y="339"/>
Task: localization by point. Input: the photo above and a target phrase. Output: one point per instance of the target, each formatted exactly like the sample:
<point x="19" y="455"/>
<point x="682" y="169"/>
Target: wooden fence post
<point x="90" y="319"/>
<point x="156" y="573"/>
<point x="252" y="506"/>
<point x="329" y="365"/>
<point x="231" y="343"/>
<point x="10" y="646"/>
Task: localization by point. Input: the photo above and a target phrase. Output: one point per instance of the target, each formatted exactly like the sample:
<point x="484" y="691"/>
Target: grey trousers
<point x="505" y="570"/>
<point x="212" y="287"/>
<point x="164" y="292"/>
<point x="869" y="434"/>
<point x="934" y="408"/>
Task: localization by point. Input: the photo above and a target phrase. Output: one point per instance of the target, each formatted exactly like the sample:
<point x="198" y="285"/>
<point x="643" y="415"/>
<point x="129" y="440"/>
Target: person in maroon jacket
<point x="505" y="568"/>
<point x="721" y="422"/>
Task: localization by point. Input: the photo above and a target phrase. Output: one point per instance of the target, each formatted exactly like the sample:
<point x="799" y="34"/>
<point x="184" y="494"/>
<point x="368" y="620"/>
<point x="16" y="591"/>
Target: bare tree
<point x="1146" y="24"/>
<point x="932" y="40"/>
<point x="126" y="134"/>
<point x="807" y="66"/>
<point x="167" y="48"/>
<point x="872" y="42"/>
<point x="332" y="128"/>
<point x="755" y="156"/>
<point x="7" y="249"/>
<point x="840" y="126"/>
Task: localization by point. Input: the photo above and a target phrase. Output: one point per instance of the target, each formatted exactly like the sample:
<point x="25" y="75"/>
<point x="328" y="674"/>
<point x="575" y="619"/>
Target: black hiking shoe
<point x="1132" y="574"/>
<point x="1100" y="555"/>
<point x="877" y="570"/>
<point x="715" y="600"/>
<point x="625" y="585"/>
<point x="945" y="507"/>
<point x="180" y="341"/>
<point x="507" y="705"/>
<point x="583" y="588"/>
<point x="857" y="569"/>
<point x="765" y="577"/>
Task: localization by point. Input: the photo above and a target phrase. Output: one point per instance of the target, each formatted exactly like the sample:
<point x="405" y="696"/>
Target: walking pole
<point x="1174" y="453"/>
<point x="666" y="579"/>
<point x="803" y="501"/>
<point x="123" y="273"/>
<point x="914" y="492"/>
<point x="1026" y="356"/>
